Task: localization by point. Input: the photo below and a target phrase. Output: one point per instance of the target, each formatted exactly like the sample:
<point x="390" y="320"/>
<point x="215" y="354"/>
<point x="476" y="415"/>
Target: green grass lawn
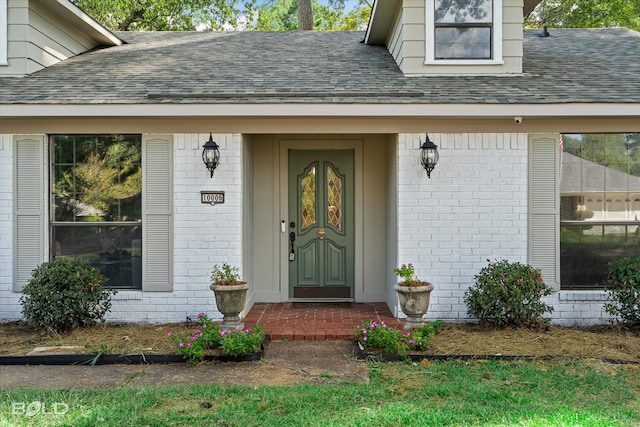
<point x="455" y="393"/>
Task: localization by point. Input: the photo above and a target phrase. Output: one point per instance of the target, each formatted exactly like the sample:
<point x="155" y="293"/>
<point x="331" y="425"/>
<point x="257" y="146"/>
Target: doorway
<point x="368" y="211"/>
<point x="321" y="225"/>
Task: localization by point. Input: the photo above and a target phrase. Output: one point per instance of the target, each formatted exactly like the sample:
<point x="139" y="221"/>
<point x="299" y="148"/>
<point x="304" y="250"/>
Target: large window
<point x="463" y="30"/>
<point x="599" y="205"/>
<point x="96" y="204"/>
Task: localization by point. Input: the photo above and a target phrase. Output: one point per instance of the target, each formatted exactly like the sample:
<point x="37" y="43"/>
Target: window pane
<point x="463" y="43"/>
<point x="464" y="11"/>
<point x="61" y="153"/>
<point x="97" y="178"/>
<point x="599" y="187"/>
<point x="114" y="250"/>
<point x="308" y="199"/>
<point x="586" y="250"/>
<point x="334" y="199"/>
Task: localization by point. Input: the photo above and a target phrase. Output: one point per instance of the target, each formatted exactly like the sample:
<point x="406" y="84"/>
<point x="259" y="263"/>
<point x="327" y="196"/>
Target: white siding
<point x="411" y="53"/>
<point x="394" y="44"/>
<point x="3" y="33"/>
<point x="38" y="38"/>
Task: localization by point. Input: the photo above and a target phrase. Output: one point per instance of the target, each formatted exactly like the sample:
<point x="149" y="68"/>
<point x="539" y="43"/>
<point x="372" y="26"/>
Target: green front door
<point x="321" y="224"/>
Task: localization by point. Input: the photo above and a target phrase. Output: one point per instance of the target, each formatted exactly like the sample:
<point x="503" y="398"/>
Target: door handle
<point x="321" y="233"/>
<point x="292" y="252"/>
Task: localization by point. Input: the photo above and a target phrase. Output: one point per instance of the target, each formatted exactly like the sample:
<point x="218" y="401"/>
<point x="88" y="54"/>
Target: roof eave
<point x="382" y="15"/>
<point x="529" y="5"/>
<point x="89" y="26"/>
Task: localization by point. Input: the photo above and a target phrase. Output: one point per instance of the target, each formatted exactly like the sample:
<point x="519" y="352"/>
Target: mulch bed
<point x="453" y="340"/>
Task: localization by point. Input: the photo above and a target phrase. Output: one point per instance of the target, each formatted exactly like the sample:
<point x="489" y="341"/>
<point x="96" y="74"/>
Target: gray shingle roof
<point x="577" y="65"/>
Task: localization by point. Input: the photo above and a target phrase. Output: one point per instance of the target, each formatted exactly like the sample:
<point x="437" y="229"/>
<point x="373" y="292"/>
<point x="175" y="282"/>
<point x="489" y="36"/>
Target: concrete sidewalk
<point x="284" y="363"/>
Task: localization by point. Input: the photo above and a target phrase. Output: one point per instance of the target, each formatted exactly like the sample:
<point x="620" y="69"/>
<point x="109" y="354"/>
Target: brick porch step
<point x="316" y="321"/>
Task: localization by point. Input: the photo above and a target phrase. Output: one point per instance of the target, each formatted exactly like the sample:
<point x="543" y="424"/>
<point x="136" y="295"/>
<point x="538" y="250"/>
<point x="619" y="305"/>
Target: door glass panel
<point x="334" y="198"/>
<point x="308" y="199"/>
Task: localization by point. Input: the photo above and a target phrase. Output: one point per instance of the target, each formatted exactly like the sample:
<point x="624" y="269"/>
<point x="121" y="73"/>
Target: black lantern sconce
<point x="430" y="156"/>
<point x="211" y="155"/>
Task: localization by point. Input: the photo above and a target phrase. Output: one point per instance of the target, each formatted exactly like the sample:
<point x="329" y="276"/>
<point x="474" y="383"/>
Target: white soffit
<point x="382" y="14"/>
<point x="619" y="110"/>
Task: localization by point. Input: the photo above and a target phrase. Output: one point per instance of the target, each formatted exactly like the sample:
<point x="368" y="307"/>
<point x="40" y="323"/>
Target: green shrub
<point x="65" y="294"/>
<point x="623" y="289"/>
<point x="508" y="294"/>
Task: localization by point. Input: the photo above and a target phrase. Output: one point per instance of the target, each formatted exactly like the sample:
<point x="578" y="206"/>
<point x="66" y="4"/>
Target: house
<point x="319" y="191"/>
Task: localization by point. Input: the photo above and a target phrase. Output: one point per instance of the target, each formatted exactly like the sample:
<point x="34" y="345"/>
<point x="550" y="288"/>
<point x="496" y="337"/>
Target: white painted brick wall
<point x="578" y="308"/>
<point x="472" y="209"/>
<point x="204" y="235"/>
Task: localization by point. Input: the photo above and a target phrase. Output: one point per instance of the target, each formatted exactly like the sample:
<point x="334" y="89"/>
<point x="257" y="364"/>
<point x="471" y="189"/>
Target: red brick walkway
<point x="316" y="321"/>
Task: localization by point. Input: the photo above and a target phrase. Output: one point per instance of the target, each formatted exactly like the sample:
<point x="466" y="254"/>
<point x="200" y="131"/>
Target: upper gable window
<point x="464" y="31"/>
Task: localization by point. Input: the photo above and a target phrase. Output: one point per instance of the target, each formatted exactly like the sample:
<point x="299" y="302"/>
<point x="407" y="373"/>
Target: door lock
<point x="321" y="234"/>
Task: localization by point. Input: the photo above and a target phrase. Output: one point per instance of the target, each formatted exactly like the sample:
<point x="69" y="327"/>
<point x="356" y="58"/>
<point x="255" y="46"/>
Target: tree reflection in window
<point x="334" y="198"/>
<point x="97" y="178"/>
<point x="308" y="199"/>
<point x="96" y="214"/>
<point x="599" y="205"/>
<point x="463" y="29"/>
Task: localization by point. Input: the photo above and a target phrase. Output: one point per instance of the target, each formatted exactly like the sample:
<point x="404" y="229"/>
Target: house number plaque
<point x="212" y="197"/>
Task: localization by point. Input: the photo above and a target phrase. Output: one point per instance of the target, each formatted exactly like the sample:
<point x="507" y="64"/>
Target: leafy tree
<point x="586" y="14"/>
<point x="282" y="15"/>
<point x="161" y="15"/>
<point x="189" y="15"/>
<point x="358" y="18"/>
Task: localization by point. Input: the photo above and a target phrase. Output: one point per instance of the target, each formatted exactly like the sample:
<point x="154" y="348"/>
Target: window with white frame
<point x="464" y="31"/>
<point x="96" y="204"/>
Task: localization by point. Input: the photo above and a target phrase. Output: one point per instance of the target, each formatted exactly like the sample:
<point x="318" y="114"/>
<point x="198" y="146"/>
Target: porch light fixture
<point x="211" y="155"/>
<point x="430" y="156"/>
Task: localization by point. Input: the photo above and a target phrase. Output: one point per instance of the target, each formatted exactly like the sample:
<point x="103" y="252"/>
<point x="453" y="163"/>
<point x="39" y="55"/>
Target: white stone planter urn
<point x="414" y="302"/>
<point x="230" y="300"/>
<point x="231" y="294"/>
